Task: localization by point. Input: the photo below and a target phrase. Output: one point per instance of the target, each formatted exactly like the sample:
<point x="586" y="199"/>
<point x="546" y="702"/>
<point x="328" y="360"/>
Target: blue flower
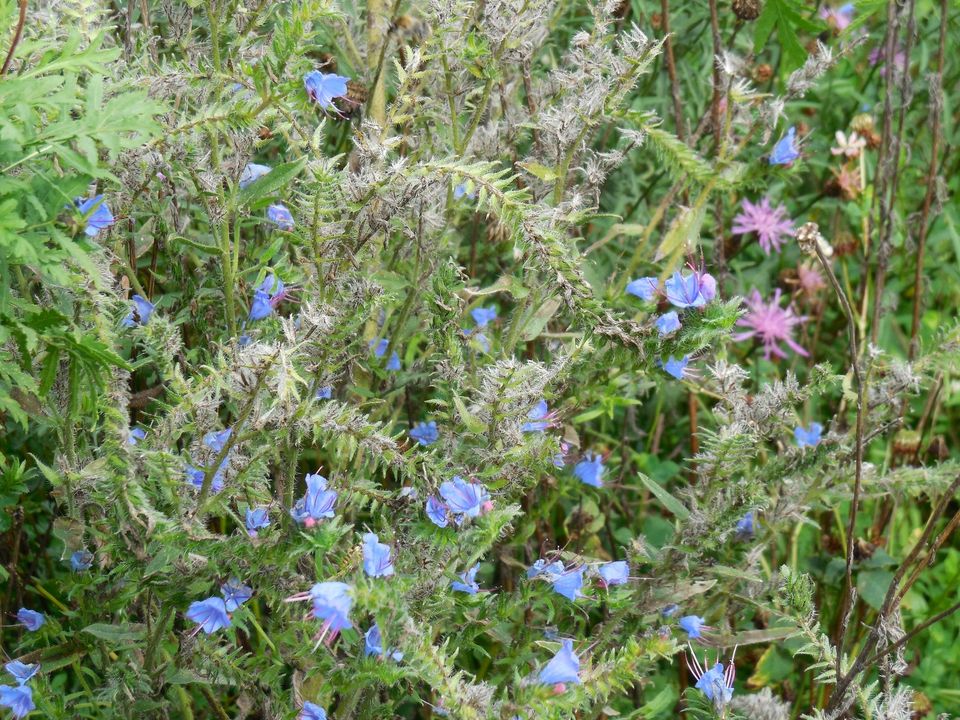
<point x="376" y="557"/>
<point x="614" y="573"/>
<point x="332" y="602"/>
<point x="540" y="567"/>
<point x="235" y="594"/>
<point x="280" y="216"/>
<point x="210" y="614"/>
<point x="324" y="393"/>
<point x="668" y="322"/>
<point x="140" y="312"/>
<point x="467" y="582"/>
<point x="21" y="671"/>
<point x="808" y="438"/>
<point x="480" y="339"/>
<point x="563" y="668"/>
<point x="692" y="624"/>
<point x="136" y="435"/>
<point x="466" y="188"/>
<point x="716" y="684"/>
<point x="380" y="349"/>
<point x="483" y="316"/>
<point x="677" y="368"/>
<point x="437" y="511"/>
<point x="19" y="699"/>
<point x="310" y="711"/>
<point x="693" y="291"/>
<point x="786" y="150"/>
<point x="266" y="297"/>
<point x="539" y="420"/>
<point x="324" y="88"/>
<point x="373" y="645"/>
<point x="644" y="288"/>
<point x="425" y="433"/>
<point x="81" y="560"/>
<point x="464" y="499"/>
<point x="670" y="610"/>
<point x="97" y="213"/>
<point x="745" y="527"/>
<point x="195" y="477"/>
<point x="317" y="504"/>
<point x="590" y="470"/>
<point x="251" y="173"/>
<point x="217" y="440"/>
<point x="30" y="619"/>
<point x="569" y="583"/>
<point x="257" y="519"/>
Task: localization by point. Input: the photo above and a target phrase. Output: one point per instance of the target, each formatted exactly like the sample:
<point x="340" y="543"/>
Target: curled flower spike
<point x="280" y="216"/>
<point x="644" y="288"/>
<point x="19" y="699"/>
<point x="251" y="173"/>
<point x="22" y="672"/>
<point x="81" y="560"/>
<point x="235" y="594"/>
<point x="97" y="213"/>
<point x="668" y="323"/>
<point x="564" y="667"/>
<point x="569" y="583"/>
<point x="614" y="573"/>
<point x="310" y="711"/>
<point x="373" y="645"/>
<point x="30" y="619"/>
<point x="437" y="511"/>
<point x="425" y="433"/>
<point x="808" y="437"/>
<point x="140" y="312"/>
<point x="590" y="470"/>
<point x="692" y="625"/>
<point x="464" y="499"/>
<point x="376" y="557"/>
<point x="787" y="149"/>
<point x="717" y="682"/>
<point x="324" y="88"/>
<point x="210" y="615"/>
<point x="467" y="583"/>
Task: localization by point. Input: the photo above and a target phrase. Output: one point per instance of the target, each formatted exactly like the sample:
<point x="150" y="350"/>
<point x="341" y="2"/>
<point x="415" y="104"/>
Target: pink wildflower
<point x="771" y="324"/>
<point x="838" y="18"/>
<point x="848" y="146"/>
<point x="810" y="279"/>
<point x="770" y="224"/>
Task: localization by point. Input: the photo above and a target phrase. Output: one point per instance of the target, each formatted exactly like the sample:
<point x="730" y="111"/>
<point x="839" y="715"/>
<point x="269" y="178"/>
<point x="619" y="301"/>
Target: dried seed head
<point x="747" y="9"/>
<point x="809" y="237"/>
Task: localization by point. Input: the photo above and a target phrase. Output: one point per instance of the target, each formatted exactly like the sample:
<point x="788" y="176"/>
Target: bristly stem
<point x="17" y="34"/>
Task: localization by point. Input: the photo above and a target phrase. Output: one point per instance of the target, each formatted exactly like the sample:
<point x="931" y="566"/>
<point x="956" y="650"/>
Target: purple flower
<point x="324" y="393"/>
<point x="839" y="18"/>
<point x="677" y="368"/>
<point x="19" y="699"/>
<point x="235" y="594"/>
<point x="30" y="619"/>
<point x="771" y="224"/>
<point x="324" y="88"/>
<point x="467" y="582"/>
<point x="540" y="567"/>
<point x="464" y="499"/>
<point x="332" y="603"/>
<point x="251" y="173"/>
<point x="376" y="557"/>
<point x="644" y="288"/>
<point x="590" y="470"/>
<point x="808" y="438"/>
<point x="97" y="213"/>
<point x="380" y="349"/>
<point x="136" y="435"/>
<point x="745" y="527"/>
<point x="210" y="614"/>
<point x="539" y="417"/>
<point x="692" y="624"/>
<point x="373" y="645"/>
<point x="569" y="583"/>
<point x="693" y="291"/>
<point x="483" y="316"/>
<point x="280" y="216"/>
<point x="614" y="573"/>
<point x="437" y="511"/>
<point x="668" y="323"/>
<point x="270" y="293"/>
<point x="309" y="711"/>
<point x="81" y="560"/>
<point x="563" y="668"/>
<point x="257" y="519"/>
<point x="425" y="433"/>
<point x="139" y="313"/>
<point x="786" y="150"/>
<point x="22" y="672"/>
<point x="770" y="324"/>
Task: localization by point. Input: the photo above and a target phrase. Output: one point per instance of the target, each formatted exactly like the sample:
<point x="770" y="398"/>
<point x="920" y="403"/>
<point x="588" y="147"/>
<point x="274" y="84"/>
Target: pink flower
<point x="770" y="323"/>
<point x="810" y="279"/>
<point x="769" y="223"/>
<point x="849" y="147"/>
<point x="839" y="18"/>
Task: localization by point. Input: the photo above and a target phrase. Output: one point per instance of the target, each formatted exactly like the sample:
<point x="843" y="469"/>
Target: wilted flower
<point x="467" y="582"/>
<point x="614" y="573"/>
<point x="380" y="349"/>
<point x="97" y="213"/>
<point x="569" y="583"/>
<point x="810" y="279"/>
<point x="693" y="291"/>
<point x="376" y="557"/>
<point x="310" y="711"/>
<point x="564" y="667"/>
<point x="280" y="216"/>
<point x="483" y="316"/>
<point x="425" y="433"/>
<point x="81" y="560"/>
<point x="590" y="470"/>
<point x="22" y="672"/>
<point x="140" y="312"/>
<point x="770" y="324"/>
<point x="373" y="645"/>
<point x="787" y="149"/>
<point x="540" y="567"/>
<point x="210" y="614"/>
<point x="30" y="619"/>
<point x="668" y="323"/>
<point x="136" y="435"/>
<point x="257" y="519"/>
<point x="268" y="294"/>
<point x="252" y="172"/>
<point x="677" y="368"/>
<point x="19" y="699"/>
<point x="235" y="594"/>
<point x="464" y="499"/>
<point x="692" y="625"/>
<point x="850" y="147"/>
<point x="437" y="511"/>
<point x="539" y="418"/>
<point x="324" y="88"/>
<point x="771" y="224"/>
<point x="808" y="437"/>
<point x="644" y="288"/>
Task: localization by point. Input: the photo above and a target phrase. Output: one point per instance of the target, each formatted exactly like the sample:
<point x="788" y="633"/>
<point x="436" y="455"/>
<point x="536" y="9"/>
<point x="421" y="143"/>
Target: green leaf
<point x="277" y="178"/>
<point x="872" y="586"/>
<point x="541" y="171"/>
<point x="124" y="632"/>
<point x="669" y="501"/>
